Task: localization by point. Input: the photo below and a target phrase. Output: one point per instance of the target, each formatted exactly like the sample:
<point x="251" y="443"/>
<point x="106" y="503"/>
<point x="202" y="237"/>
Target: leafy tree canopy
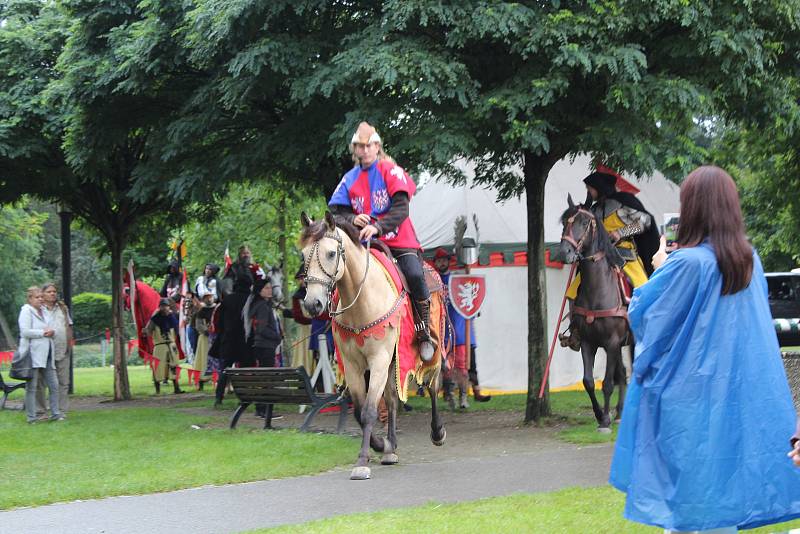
<point x="765" y="164"/>
<point x="21" y="240"/>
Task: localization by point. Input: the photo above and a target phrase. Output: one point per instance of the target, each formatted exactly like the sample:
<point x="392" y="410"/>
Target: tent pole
<point x="468" y="342"/>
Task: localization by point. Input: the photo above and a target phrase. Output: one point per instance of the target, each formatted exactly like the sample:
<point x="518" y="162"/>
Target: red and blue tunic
<point x="370" y="191"/>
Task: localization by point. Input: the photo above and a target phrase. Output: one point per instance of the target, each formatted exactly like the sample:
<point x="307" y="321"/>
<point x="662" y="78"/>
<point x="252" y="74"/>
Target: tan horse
<point x="334" y="258"/>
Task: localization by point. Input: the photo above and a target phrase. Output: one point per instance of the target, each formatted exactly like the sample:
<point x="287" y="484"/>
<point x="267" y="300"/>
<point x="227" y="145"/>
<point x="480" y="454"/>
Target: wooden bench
<point x="281" y="385"/>
<point x="8" y="388"/>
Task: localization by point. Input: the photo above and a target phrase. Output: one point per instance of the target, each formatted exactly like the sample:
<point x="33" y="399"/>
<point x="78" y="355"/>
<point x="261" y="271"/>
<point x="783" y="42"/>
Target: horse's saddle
<point x="432" y="278"/>
<point x="626" y="254"/>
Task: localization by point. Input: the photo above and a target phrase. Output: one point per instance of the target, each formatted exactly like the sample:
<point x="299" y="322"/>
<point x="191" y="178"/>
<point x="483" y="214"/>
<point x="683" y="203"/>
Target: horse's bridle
<point x="273" y="284"/>
<point x="330" y="283"/>
<point x="567" y="235"/>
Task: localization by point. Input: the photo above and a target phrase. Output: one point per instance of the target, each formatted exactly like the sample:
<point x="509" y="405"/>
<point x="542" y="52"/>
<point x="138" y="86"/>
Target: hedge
<point x="91" y="314"/>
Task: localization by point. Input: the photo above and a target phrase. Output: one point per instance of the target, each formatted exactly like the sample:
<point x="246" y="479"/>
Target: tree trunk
<point x="285" y="264"/>
<point x="536" y="169"/>
<point x="122" y="389"/>
<point x="9" y="335"/>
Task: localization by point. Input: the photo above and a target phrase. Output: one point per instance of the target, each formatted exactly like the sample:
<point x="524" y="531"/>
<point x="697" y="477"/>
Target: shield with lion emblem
<point x="467" y="293"/>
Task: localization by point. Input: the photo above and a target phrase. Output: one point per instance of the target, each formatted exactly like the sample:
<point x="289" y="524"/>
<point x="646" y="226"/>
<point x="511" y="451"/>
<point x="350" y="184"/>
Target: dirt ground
<point x="470" y="434"/>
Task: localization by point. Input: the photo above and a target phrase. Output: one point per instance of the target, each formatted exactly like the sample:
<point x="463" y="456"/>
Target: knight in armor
<point x="631" y="228"/>
<point x="374" y="196"/>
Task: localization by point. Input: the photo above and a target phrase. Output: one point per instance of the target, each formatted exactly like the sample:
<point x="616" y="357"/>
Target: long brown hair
<point x="710" y="209"/>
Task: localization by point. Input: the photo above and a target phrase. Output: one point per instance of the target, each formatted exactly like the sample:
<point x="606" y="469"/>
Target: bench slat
<point x="280" y="399"/>
<point x="288" y="393"/>
<point x="274" y="400"/>
<point x="270" y="385"/>
<point x="256" y="371"/>
<point x="268" y="379"/>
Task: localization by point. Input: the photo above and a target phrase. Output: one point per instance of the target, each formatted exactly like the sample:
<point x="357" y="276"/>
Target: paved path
<point x="239" y="507"/>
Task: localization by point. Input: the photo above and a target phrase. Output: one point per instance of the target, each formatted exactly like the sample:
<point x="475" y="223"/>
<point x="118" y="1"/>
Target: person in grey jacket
<point x="36" y="336"/>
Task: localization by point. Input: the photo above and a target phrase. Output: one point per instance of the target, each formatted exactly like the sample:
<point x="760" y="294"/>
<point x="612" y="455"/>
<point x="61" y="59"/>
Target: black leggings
<point x="411" y="265"/>
<point x="265" y="356"/>
<point x="473" y="368"/>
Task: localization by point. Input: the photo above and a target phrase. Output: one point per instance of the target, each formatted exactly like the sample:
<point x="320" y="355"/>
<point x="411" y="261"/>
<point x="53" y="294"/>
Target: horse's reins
<point x="590" y="231"/>
<point x="330" y="283"/>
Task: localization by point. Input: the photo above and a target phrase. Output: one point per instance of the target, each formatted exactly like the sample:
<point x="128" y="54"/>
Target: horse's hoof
<point x="389" y="459"/>
<point x="360" y="473"/>
<point x="439" y="442"/>
<point x="604" y="430"/>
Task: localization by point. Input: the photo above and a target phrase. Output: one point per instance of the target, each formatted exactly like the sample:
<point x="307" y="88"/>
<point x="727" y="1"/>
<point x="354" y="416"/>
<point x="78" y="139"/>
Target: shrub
<point x="91" y="314"/>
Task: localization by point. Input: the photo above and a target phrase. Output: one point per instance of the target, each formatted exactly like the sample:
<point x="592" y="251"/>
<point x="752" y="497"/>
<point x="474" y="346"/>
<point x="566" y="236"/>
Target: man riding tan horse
<point x="374" y="196"/>
<point x="369" y="329"/>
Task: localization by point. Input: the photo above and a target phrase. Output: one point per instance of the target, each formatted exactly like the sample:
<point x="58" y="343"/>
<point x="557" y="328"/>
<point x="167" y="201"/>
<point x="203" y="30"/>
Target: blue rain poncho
<point x="708" y="415"/>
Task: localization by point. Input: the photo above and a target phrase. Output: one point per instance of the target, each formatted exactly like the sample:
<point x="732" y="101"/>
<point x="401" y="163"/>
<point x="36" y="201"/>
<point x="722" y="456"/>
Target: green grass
<point x="131" y="451"/>
<point x="499" y="403"/>
<point x="99" y="381"/>
<point x="572" y="409"/>
<point x="596" y="510"/>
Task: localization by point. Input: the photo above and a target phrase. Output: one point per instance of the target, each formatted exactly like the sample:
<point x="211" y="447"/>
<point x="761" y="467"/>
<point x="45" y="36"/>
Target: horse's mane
<point x="316" y="230"/>
<point x="603" y="240"/>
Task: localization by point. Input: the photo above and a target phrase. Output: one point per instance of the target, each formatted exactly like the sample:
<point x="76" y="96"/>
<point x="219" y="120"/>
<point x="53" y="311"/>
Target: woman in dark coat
<point x="233" y="346"/>
<point x="263" y="332"/>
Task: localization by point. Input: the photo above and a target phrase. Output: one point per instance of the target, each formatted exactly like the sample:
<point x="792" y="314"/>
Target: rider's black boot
<point x="426" y="348"/>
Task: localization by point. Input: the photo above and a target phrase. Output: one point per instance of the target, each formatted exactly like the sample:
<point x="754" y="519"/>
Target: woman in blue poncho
<point x="702" y="443"/>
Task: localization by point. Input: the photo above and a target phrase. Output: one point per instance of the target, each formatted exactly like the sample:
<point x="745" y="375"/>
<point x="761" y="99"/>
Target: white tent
<point x="502" y="328"/>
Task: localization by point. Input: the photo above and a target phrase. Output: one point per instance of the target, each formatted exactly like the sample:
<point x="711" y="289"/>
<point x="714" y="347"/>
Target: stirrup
<point x="426" y="349"/>
<point x="569" y="340"/>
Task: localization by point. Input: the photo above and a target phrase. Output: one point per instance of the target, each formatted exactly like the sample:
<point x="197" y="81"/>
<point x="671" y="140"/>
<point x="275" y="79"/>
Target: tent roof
<point x="437" y="204"/>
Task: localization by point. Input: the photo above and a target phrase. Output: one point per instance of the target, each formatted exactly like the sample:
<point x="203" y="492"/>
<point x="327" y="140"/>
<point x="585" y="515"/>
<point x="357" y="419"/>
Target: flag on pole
<point x="143" y="302"/>
<point x="132" y="296"/>
<point x="622" y="184"/>
<point x="183" y="322"/>
<point x="228" y="261"/>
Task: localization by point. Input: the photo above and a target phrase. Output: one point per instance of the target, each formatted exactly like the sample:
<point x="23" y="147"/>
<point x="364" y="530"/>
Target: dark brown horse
<point x="599" y="312"/>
